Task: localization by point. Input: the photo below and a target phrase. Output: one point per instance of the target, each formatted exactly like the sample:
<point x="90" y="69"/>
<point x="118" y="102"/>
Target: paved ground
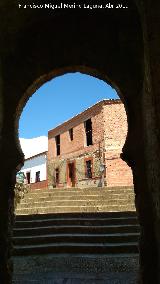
<point x="53" y="269"/>
<point x="51" y="278"/>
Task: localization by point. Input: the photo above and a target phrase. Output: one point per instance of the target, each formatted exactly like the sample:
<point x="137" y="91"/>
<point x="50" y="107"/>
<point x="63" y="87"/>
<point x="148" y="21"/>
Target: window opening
<point x="88" y="130"/>
<point x="89" y="169"/>
<point x="58" y="144"/>
<point x="71" y="134"/>
<point x="37" y="176"/>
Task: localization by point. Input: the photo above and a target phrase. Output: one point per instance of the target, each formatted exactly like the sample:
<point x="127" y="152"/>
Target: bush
<point x="20" y="190"/>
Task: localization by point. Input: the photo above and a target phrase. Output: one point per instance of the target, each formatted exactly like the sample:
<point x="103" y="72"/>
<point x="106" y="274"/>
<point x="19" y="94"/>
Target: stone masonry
<point x="119" y="46"/>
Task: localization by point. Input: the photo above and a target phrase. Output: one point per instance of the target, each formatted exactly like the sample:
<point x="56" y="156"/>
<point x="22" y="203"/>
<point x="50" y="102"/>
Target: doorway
<point x="57" y="177"/>
<point x="71" y="174"/>
<point x="28" y="176"/>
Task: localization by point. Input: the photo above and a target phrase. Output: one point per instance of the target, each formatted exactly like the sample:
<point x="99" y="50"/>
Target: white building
<point x="34" y="168"/>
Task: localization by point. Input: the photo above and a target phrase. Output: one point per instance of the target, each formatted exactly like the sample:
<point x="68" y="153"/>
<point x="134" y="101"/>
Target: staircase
<point x="77" y="221"/>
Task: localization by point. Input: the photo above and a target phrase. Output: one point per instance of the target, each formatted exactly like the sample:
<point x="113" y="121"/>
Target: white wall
<point x="34" y="165"/>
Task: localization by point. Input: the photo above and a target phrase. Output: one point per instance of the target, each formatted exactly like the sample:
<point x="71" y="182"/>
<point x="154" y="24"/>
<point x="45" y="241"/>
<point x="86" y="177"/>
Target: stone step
<point x="84" y="188"/>
<point x="76" y="221"/>
<point x="100" y="196"/>
<point x="68" y="209"/>
<point x="79" y="238"/>
<point x="89" y="189"/>
<point x="72" y="189"/>
<point x="77" y="203"/>
<point x="81" y="191"/>
<point x="70" y="197"/>
<point x="74" y="248"/>
<point x="73" y="221"/>
<point x="92" y="196"/>
<point x="76" y="229"/>
<point x="94" y="215"/>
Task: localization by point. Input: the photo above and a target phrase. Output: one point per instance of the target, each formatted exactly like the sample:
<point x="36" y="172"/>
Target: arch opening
<point x="105" y="153"/>
<point x="90" y="73"/>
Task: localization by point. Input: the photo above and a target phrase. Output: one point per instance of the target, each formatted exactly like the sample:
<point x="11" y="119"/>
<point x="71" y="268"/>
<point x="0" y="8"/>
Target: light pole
<point x="102" y="169"/>
<point x="102" y="162"/>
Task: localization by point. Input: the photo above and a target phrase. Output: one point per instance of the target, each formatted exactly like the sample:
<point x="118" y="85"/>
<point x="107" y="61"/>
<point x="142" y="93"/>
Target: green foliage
<point x="20" y="190"/>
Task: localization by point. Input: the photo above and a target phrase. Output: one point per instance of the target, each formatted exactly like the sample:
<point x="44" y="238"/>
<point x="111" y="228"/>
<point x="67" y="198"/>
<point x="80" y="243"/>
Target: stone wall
<point x="52" y="164"/>
<point x="81" y="180"/>
<point x="119" y="46"/>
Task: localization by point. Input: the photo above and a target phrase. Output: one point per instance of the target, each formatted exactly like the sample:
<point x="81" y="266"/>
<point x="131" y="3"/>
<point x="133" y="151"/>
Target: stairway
<point x="76" y="221"/>
<point x="77" y="200"/>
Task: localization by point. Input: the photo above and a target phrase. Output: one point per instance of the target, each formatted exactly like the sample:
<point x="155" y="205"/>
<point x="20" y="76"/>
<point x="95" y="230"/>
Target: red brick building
<point x="85" y="150"/>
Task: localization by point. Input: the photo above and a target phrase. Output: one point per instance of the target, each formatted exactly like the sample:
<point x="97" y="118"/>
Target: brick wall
<point x="115" y="126"/>
<point x="118" y="173"/>
<point x="115" y="130"/>
<point x="39" y="185"/>
<point x="77" y="145"/>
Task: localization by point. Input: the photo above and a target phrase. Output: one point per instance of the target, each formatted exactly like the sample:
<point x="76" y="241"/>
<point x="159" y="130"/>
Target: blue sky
<point x="59" y="100"/>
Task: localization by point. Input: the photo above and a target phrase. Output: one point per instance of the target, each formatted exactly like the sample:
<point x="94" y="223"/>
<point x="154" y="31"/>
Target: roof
<point x="75" y="119"/>
<point x="34" y="156"/>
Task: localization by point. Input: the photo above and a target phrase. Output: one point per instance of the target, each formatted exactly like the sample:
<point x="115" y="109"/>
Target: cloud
<point x="34" y="146"/>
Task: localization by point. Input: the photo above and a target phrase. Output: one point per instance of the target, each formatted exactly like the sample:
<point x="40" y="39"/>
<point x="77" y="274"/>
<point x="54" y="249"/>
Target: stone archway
<point x="40" y="46"/>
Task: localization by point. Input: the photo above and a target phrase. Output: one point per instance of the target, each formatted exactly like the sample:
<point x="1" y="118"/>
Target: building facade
<point x="35" y="171"/>
<point x="85" y="150"/>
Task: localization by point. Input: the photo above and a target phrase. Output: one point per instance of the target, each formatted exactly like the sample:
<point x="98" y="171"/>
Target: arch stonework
<point x="120" y="47"/>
